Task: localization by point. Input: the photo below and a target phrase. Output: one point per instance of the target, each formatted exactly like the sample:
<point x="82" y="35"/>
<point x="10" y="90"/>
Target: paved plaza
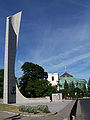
<point x="63" y="109"/>
<point x="53" y="106"/>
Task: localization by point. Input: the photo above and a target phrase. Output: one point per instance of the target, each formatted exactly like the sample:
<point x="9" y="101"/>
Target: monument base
<point x="20" y="99"/>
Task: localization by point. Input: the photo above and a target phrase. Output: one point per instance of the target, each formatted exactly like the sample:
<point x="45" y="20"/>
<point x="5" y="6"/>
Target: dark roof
<point x="66" y="75"/>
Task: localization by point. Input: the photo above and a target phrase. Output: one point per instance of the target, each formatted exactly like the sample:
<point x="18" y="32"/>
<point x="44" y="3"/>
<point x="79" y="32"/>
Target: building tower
<point x="53" y="78"/>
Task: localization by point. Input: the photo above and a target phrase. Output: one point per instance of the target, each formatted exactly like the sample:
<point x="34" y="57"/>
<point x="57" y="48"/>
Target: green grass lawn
<point x="10" y="108"/>
<point x="15" y="109"/>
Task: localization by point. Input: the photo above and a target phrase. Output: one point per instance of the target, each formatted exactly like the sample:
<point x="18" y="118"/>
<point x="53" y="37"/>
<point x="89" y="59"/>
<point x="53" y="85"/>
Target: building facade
<point x="59" y="81"/>
<point x="69" y="78"/>
<point x="53" y="78"/>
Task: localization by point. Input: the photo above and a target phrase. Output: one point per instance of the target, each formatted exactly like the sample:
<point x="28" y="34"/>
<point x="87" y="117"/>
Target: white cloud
<point x="60" y="46"/>
<point x="61" y="55"/>
<point x="68" y="62"/>
<point x="80" y="3"/>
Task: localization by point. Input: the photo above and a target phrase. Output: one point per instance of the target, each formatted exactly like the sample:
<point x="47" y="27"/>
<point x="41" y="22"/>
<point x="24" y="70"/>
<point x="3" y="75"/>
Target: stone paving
<point x="7" y="116"/>
<point x="53" y="106"/>
<point x="63" y="114"/>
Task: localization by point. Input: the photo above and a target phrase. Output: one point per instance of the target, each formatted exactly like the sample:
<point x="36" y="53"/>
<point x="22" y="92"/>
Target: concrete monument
<point x="12" y="32"/>
<point x="11" y="93"/>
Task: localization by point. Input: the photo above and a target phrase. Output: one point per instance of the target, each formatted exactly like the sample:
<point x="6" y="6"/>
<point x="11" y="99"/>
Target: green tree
<point x="84" y="90"/>
<point x="72" y="92"/>
<point x="65" y="93"/>
<point x="89" y="87"/>
<point x="1" y="82"/>
<point x="34" y="82"/>
<point x="66" y="85"/>
<point x="66" y="89"/>
<point x="76" y="93"/>
<point x="72" y="85"/>
<point x="34" y="70"/>
<point x="77" y="84"/>
<point x="58" y="86"/>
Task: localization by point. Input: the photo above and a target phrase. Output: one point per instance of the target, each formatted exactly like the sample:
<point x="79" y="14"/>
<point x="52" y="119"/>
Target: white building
<point x="53" y="78"/>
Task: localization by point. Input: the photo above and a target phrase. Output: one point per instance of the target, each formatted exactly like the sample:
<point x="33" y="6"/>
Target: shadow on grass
<point x="15" y="117"/>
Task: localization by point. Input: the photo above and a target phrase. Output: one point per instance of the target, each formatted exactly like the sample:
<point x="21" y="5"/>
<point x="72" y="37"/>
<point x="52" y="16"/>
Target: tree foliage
<point x="34" y="70"/>
<point x="34" y="82"/>
<point x="85" y="90"/>
<point x="66" y="85"/>
<point x="89" y="86"/>
<point x="72" y="85"/>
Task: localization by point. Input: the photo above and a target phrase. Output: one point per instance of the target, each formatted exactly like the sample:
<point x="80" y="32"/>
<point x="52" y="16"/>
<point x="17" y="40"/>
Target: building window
<point x="52" y="78"/>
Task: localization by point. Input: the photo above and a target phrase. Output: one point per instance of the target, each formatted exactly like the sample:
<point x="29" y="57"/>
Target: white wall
<point x="20" y="99"/>
<point x="55" y="80"/>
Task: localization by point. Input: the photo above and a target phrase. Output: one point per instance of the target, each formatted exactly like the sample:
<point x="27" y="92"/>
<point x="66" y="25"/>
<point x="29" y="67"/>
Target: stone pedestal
<point x="57" y="97"/>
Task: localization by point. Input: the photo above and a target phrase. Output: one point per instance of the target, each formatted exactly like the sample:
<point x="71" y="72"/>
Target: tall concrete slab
<point x="12" y="32"/>
<point x="11" y="93"/>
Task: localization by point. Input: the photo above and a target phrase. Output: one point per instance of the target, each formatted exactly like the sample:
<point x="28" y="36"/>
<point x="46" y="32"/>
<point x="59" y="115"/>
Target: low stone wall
<point x="78" y="112"/>
<point x="41" y="100"/>
<point x="73" y="111"/>
<point x="21" y="99"/>
<point x="64" y="114"/>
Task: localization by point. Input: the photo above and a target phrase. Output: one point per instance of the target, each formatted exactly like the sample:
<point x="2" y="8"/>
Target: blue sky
<point x="53" y="34"/>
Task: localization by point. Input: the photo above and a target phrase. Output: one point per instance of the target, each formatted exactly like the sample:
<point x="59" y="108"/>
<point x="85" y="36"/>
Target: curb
<point x="30" y="115"/>
<point x="44" y="115"/>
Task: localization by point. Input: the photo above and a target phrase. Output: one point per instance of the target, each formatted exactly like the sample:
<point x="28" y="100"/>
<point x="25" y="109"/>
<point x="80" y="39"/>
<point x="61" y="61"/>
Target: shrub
<point x="28" y="109"/>
<point x="32" y="110"/>
<point x="43" y="108"/>
<point x="22" y="108"/>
